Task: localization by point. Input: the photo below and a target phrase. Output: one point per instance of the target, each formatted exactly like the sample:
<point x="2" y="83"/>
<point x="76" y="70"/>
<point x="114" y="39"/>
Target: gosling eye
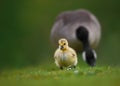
<point x="64" y="44"/>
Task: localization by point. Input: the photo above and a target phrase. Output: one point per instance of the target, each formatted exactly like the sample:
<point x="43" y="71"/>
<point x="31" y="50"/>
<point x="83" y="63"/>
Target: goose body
<point x="80" y="27"/>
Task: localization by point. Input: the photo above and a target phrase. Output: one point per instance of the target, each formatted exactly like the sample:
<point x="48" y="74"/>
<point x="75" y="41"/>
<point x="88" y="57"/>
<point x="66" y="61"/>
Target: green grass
<point x="50" y="75"/>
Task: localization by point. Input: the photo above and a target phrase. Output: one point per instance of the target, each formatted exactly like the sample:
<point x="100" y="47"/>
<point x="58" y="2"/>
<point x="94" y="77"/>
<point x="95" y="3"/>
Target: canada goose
<point x="65" y="56"/>
<point x="82" y="30"/>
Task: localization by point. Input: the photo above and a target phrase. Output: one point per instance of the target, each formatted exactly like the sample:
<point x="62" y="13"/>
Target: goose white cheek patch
<point x="95" y="55"/>
<point x="84" y="56"/>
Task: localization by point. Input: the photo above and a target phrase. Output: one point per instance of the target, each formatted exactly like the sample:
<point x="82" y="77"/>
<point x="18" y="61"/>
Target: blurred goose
<point x="82" y="30"/>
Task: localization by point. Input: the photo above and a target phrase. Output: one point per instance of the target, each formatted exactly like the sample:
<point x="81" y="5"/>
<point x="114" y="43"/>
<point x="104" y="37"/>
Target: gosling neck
<point x="64" y="49"/>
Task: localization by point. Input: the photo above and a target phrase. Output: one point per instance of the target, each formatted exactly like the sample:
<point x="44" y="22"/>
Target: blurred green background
<point x="26" y="25"/>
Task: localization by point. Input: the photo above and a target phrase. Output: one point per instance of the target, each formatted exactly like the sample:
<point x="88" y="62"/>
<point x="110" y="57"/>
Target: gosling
<point x="65" y="56"/>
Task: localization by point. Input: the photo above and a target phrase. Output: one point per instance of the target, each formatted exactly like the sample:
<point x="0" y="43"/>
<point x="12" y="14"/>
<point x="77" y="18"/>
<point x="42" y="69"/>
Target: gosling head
<point x="63" y="44"/>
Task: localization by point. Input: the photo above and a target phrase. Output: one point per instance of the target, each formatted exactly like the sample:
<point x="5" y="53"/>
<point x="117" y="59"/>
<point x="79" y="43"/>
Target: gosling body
<point x="65" y="56"/>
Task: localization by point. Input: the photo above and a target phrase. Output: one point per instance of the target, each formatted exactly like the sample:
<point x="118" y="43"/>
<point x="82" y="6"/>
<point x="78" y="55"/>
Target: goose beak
<point x="93" y="63"/>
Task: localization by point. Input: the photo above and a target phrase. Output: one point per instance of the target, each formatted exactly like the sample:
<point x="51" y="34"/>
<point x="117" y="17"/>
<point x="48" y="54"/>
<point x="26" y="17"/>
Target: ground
<point x="51" y="75"/>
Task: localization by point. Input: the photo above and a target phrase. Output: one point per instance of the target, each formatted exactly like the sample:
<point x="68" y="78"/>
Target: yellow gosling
<point x="65" y="56"/>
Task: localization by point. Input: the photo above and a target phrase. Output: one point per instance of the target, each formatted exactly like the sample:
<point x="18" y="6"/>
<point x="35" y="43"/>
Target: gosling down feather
<point x="65" y="56"/>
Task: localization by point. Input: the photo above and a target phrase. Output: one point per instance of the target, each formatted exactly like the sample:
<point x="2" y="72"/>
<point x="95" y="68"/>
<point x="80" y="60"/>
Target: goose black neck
<point x="82" y="35"/>
<point x="86" y="45"/>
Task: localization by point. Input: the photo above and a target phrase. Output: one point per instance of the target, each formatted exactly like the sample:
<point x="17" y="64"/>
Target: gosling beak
<point x="61" y="47"/>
